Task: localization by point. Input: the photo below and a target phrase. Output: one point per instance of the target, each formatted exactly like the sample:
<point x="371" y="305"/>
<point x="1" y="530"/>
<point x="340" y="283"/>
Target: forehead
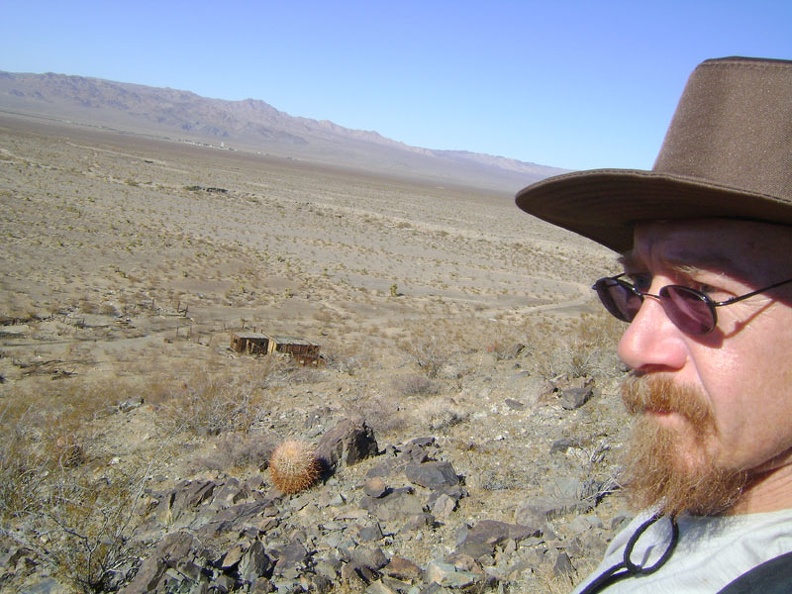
<point x="740" y="247"/>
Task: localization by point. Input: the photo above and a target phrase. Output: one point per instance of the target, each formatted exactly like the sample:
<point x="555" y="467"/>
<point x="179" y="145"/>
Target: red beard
<point x="675" y="469"/>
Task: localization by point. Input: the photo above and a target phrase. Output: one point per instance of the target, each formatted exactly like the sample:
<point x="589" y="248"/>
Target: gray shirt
<point x="711" y="551"/>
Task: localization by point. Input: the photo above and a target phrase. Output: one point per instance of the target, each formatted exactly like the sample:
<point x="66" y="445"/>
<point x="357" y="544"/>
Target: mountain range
<point x="250" y="125"/>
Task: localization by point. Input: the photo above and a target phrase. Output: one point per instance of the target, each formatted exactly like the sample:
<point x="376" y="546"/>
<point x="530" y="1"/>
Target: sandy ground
<point x="128" y="262"/>
<point x="124" y="233"/>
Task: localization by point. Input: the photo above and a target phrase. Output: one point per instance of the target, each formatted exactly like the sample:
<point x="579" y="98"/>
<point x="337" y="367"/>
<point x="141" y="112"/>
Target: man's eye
<point x="701" y="287"/>
<point x="704" y="288"/>
<point x="642" y="282"/>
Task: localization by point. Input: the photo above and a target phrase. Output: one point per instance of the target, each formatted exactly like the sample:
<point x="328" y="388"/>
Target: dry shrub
<point x="430" y="354"/>
<point x="437" y="414"/>
<point x="46" y="429"/>
<point x="416" y="385"/>
<point x="48" y="483"/>
<point x="234" y="450"/>
<point x="21" y="466"/>
<point x="65" y="405"/>
<point x="579" y="347"/>
<point x="348" y="358"/>
<point x="389" y="419"/>
<point x="552" y="582"/>
<point x="108" y="309"/>
<point x="90" y="522"/>
<point x="211" y="404"/>
<point x="305" y="374"/>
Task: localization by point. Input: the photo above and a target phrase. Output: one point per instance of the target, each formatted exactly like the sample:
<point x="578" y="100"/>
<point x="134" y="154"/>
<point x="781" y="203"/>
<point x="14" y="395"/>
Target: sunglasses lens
<point x="689" y="310"/>
<point x="618" y="299"/>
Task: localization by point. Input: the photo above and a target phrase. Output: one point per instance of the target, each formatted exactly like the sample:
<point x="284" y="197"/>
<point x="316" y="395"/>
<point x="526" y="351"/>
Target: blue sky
<point x="577" y="85"/>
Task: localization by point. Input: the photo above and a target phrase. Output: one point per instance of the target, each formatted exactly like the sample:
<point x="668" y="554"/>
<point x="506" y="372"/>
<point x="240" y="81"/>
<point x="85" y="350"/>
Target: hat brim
<point x="605" y="204"/>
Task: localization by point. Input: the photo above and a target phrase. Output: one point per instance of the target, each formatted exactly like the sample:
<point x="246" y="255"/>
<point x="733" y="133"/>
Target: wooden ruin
<point x="256" y="343"/>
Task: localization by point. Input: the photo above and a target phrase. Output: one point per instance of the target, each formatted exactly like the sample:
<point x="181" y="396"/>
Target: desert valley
<point x="464" y="406"/>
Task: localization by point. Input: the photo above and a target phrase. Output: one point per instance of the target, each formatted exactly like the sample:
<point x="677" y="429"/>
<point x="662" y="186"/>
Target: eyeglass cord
<point x="627" y="568"/>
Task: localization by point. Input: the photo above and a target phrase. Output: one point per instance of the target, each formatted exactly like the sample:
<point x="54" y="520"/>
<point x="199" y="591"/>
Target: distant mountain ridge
<point x="251" y="125"/>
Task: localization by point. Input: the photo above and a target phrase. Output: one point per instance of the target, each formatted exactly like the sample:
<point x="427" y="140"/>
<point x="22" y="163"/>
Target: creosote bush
<point x="429" y="354"/>
<point x="416" y="385"/>
<point x="212" y="404"/>
<point x="21" y="463"/>
<point x="234" y="451"/>
<point x="91" y="521"/>
<point x="43" y="434"/>
<point x="53" y="482"/>
<point x="581" y="347"/>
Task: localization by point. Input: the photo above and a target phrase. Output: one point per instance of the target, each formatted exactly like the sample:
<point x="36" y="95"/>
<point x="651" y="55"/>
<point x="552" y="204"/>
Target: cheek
<point x="749" y="385"/>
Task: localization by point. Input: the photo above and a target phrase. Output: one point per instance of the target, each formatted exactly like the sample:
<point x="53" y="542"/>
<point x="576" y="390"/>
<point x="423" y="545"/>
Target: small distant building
<point x="255" y="343"/>
<point x="251" y="343"/>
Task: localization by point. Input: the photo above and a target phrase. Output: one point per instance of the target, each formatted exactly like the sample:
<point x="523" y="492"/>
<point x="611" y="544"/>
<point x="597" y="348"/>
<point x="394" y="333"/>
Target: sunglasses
<point x="692" y="311"/>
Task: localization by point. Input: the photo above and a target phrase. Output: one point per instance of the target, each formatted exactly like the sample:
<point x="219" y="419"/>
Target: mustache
<point x="642" y="394"/>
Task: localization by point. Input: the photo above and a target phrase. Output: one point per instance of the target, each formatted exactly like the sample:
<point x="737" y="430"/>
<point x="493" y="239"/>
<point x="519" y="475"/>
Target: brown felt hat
<point x="727" y="153"/>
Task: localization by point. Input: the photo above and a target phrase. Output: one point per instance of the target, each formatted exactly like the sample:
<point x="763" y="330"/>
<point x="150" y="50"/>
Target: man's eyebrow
<point x="628" y="260"/>
<point x="686" y="262"/>
<point x="691" y="262"/>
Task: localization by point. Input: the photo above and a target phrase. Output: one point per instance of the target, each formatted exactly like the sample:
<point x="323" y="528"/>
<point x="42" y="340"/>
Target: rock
<point x="374" y="558"/>
<point x="228" y="535"/>
<point x="417" y="450"/>
<point x="255" y="515"/>
<point x="222" y="583"/>
<point x="573" y="398"/>
<point x="379" y="587"/>
<point x="538" y="510"/>
<point x="230" y="493"/>
<point x="232" y="557"/>
<point x="352" y="577"/>
<point x="293" y="556"/>
<point x="131" y="404"/>
<point x="573" y="393"/>
<point x="375" y="487"/>
<point x="255" y="563"/>
<point x="418" y="522"/>
<point x="176" y="549"/>
<point x="444" y="506"/>
<point x="395" y="505"/>
<point x="484" y="536"/>
<point x="432" y="475"/>
<point x="370" y="533"/>
<point x="563" y="444"/>
<point x="563" y="565"/>
<point x="346" y="444"/>
<point x="188" y="494"/>
<point x="318" y="583"/>
<point x="402" y="569"/>
<point x="445" y="574"/>
<point x="47" y="585"/>
<point x="263" y="586"/>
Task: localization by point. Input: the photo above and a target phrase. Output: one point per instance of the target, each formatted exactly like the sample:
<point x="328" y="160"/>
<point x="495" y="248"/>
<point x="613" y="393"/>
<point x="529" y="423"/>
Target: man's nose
<point x="652" y="342"/>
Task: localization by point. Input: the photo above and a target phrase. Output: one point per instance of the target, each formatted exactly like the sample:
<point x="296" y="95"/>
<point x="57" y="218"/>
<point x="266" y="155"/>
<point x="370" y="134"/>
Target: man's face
<point x="713" y="411"/>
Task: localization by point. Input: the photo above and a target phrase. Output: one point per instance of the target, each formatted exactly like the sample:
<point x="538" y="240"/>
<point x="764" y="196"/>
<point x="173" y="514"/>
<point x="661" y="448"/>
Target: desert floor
<point x="127" y="262"/>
